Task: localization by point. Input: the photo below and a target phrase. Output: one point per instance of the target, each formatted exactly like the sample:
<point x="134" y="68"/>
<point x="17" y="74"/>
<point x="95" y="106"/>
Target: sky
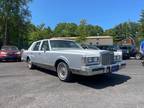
<point x="105" y="13"/>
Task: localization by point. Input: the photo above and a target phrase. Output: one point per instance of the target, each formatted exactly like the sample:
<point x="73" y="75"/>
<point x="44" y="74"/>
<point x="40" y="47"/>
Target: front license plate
<point x="115" y="68"/>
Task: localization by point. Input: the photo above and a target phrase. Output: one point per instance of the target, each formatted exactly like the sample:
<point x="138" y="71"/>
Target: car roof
<point x="9" y="46"/>
<point x="53" y="39"/>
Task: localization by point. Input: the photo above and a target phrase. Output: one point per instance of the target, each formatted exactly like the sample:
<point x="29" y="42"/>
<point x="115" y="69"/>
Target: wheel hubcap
<point x="62" y="71"/>
<point x="138" y="56"/>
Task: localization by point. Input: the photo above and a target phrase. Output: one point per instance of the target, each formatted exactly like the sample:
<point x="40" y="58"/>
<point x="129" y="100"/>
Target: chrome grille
<point x="107" y="58"/>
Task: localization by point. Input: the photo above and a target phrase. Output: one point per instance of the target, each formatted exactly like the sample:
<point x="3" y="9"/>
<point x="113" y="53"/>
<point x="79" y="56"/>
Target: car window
<point x="14" y="48"/>
<point x="45" y="45"/>
<point x="36" y="47"/>
<point x="100" y="47"/>
<point x="112" y="48"/>
<point x="93" y="47"/>
<point x="64" y="44"/>
<point x="123" y="47"/>
<point x="84" y="46"/>
<point x="104" y="47"/>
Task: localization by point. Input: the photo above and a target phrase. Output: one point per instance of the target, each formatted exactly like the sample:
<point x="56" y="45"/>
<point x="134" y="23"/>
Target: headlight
<point x="127" y="51"/>
<point x="91" y="60"/>
<point x="3" y="53"/>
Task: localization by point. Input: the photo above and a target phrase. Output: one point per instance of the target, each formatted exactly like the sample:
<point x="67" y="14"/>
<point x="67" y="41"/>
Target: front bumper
<point x="16" y="57"/>
<point x="99" y="69"/>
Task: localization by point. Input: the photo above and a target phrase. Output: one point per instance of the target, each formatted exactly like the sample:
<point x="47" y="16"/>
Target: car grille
<point x="107" y="58"/>
<point x="10" y="54"/>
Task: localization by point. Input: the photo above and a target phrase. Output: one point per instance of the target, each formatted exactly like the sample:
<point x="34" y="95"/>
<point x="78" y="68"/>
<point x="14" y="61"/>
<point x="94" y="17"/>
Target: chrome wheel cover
<point x="62" y="71"/>
<point x="138" y="56"/>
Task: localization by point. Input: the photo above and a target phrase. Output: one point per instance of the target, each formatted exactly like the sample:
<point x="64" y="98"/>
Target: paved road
<point x="23" y="88"/>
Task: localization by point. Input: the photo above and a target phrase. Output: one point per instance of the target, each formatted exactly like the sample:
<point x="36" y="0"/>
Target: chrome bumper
<point x="99" y="69"/>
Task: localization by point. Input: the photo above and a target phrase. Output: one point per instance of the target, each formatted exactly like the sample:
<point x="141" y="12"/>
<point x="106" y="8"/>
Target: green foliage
<point x="14" y="17"/>
<point x="142" y="17"/>
<point x="80" y="31"/>
<point x="141" y="28"/>
<point x="109" y="32"/>
<point x="39" y="32"/>
<point x="16" y="28"/>
<point x="127" y="29"/>
<point x="65" y="30"/>
<point x="84" y="30"/>
<point x="123" y="30"/>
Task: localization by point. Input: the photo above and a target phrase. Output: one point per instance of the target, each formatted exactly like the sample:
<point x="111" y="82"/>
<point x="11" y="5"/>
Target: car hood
<point x="84" y="52"/>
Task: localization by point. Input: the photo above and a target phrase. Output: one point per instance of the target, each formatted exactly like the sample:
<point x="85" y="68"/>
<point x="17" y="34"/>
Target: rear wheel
<point x="63" y="72"/>
<point x="30" y="64"/>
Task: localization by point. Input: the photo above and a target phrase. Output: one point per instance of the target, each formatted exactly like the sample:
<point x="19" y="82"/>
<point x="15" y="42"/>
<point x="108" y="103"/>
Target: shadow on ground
<point x="97" y="81"/>
<point x="47" y="71"/>
<point x="102" y="81"/>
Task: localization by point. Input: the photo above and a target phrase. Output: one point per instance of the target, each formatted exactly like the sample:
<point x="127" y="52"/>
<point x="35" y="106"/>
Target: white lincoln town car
<point x="68" y="57"/>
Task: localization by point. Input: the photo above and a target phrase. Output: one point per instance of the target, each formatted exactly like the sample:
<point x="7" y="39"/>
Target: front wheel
<point x="63" y="72"/>
<point x="30" y="64"/>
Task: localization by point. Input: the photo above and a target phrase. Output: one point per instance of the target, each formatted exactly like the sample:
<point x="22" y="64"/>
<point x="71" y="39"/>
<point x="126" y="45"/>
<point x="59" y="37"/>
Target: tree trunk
<point x="5" y="33"/>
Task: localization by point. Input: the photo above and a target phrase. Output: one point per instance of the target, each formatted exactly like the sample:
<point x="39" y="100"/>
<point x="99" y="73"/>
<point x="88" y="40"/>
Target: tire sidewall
<point x="138" y="56"/>
<point x="68" y="76"/>
<point x="29" y="64"/>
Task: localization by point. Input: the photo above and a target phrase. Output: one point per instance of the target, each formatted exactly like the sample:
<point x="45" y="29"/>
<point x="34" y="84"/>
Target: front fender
<point x="63" y="58"/>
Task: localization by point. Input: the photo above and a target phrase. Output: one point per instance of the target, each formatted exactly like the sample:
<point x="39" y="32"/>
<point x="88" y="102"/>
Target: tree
<point x="38" y="32"/>
<point x="83" y="22"/>
<point x="82" y="31"/>
<point x="93" y="30"/>
<point x="142" y="17"/>
<point x="141" y="21"/>
<point x="97" y="31"/>
<point x="65" y="30"/>
<point x="85" y="30"/>
<point x="124" y="30"/>
<point x="14" y="18"/>
<point x="109" y="32"/>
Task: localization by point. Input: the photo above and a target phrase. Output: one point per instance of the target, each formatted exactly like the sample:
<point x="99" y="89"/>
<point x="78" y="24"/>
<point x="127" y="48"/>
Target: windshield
<point x="109" y="47"/>
<point x="93" y="47"/>
<point x="9" y="48"/>
<point x="63" y="44"/>
<point x="124" y="47"/>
